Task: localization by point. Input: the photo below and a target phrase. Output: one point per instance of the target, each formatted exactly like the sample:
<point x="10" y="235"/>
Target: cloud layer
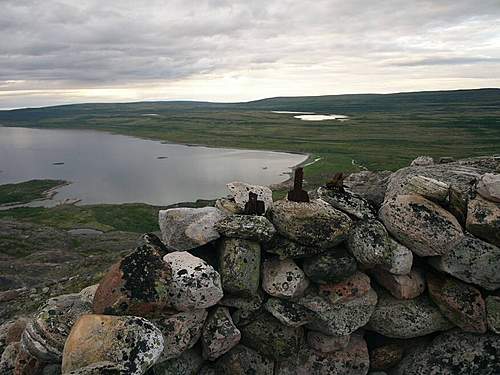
<point x="73" y="51"/>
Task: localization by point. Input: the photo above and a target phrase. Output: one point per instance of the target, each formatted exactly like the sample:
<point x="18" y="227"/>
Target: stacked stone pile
<point x="392" y="274"/>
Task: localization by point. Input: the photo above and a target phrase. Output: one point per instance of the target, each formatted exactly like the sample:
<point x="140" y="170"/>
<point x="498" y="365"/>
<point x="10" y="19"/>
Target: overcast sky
<point x="67" y="51"/>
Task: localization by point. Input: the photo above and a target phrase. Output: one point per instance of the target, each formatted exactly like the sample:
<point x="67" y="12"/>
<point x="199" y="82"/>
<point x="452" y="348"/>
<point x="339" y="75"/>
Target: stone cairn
<point x="377" y="272"/>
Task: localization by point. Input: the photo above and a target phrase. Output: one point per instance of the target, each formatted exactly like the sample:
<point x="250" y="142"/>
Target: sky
<point x="67" y="51"/>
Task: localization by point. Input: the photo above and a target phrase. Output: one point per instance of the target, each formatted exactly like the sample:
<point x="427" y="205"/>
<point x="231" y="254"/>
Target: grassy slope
<point x="27" y="191"/>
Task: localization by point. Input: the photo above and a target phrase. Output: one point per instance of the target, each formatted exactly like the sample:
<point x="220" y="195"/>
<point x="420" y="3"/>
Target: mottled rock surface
<point x="239" y="192"/>
<point x="401" y="286"/>
<point x="285" y="248"/>
<point x="493" y="313"/>
<point x="242" y="360"/>
<point x="288" y="313"/>
<point x="188" y="363"/>
<point x="489" y="187"/>
<point x="422" y="161"/>
<point x="369" y="242"/>
<point x="430" y="188"/>
<point x="386" y="356"/>
<point x="354" y="286"/>
<point x="325" y="343"/>
<point x="331" y="267"/>
<point x="348" y="203"/>
<point x="483" y="219"/>
<point x="369" y="185"/>
<point x="248" y="227"/>
<point x="219" y="334"/>
<point x="283" y="278"/>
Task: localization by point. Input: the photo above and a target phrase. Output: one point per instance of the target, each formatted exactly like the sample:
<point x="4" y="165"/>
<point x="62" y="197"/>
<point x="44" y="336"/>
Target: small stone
<point x="462" y="304"/>
<point x="283" y="278"/>
<point x="313" y="224"/>
<point x="285" y="248"/>
<point x="187" y="228"/>
<point x="369" y="185"/>
<point x="239" y="266"/>
<point x="240" y="190"/>
<point x="242" y="360"/>
<point x="194" y="285"/>
<point x="483" y="220"/>
<point x="422" y="161"/>
<point x="180" y="331"/>
<point x="430" y="188"/>
<point x="187" y="363"/>
<point x="219" y="334"/>
<point x="87" y="294"/>
<point x="247" y="227"/>
<point x="288" y="313"/>
<point x="347" y="202"/>
<point x="132" y="342"/>
<point x="353" y="287"/>
<point x="493" y="313"/>
<point x="331" y="267"/>
<point x="386" y="356"/>
<point x="228" y="206"/>
<point x="421" y="225"/>
<point x="489" y="187"/>
<point x="271" y="338"/>
<point x="399" y="260"/>
<point x="406" y="318"/>
<point x="326" y="344"/>
<point x="401" y="286"/>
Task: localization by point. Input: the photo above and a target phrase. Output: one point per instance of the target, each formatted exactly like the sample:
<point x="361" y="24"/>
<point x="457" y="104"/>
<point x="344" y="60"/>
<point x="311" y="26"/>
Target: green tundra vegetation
<point x="27" y="191"/>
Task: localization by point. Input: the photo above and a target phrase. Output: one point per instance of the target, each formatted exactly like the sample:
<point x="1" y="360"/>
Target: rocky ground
<point x="386" y="274"/>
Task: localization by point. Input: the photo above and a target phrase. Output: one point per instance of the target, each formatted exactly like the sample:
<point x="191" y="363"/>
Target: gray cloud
<point x="51" y="47"/>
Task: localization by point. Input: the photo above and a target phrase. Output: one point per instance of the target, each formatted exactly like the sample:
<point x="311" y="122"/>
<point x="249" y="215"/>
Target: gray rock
<point x="283" y="278"/>
<point x="242" y="360"/>
<point x="483" y="220"/>
<point x="285" y="248"/>
<point x="493" y="313"/>
<point x="330" y="267"/>
<point x="271" y="338"/>
<point x="429" y="188"/>
<point x="326" y="344"/>
<point x="421" y="225"/>
<point x="368" y="185"/>
<point x="289" y="313"/>
<point x="194" y="285"/>
<point x="239" y="266"/>
<point x="398" y="260"/>
<point x="239" y="192"/>
<point x="489" y="187"/>
<point x="188" y="363"/>
<point x="247" y="227"/>
<point x="401" y="286"/>
<point x="406" y="318"/>
<point x="456" y="353"/>
<point x="180" y="331"/>
<point x="228" y="206"/>
<point x="314" y="224"/>
<point x="188" y="228"/>
<point x="473" y="261"/>
<point x="422" y="161"/>
<point x="219" y="334"/>
<point x="347" y="202"/>
<point x="87" y="294"/>
<point x="369" y="242"/>
<point x="8" y="358"/>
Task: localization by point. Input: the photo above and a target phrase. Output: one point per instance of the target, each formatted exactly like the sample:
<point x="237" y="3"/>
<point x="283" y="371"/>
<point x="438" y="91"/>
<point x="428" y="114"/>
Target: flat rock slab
<point x="369" y="185"/>
<point x="248" y="227"/>
<point x="289" y="313"/>
<point x="347" y="202"/>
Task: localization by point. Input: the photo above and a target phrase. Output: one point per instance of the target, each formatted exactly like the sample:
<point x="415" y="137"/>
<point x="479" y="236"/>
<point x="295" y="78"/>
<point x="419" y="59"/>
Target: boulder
<point x="326" y="344"/>
<point x="353" y="287"/>
<point x="353" y="360"/>
<point x="461" y="303"/>
<point x="493" y="313"/>
<point x="454" y="352"/>
<point x="398" y="260"/>
<point x="239" y="266"/>
<point x="401" y="286"/>
<point x="188" y="363"/>
<point x="489" y="187"/>
<point x="283" y="278"/>
<point x="473" y="261"/>
<point x="194" y="285"/>
<point x="313" y="224"/>
<point x="422" y="161"/>
<point x="219" y="334"/>
<point x="421" y="225"/>
<point x="247" y="227"/>
<point x="348" y="203"/>
<point x="285" y="248"/>
<point x="386" y="356"/>
<point x="134" y="285"/>
<point x="369" y="242"/>
<point x="242" y="360"/>
<point x="430" y="188"/>
<point x="483" y="220"/>
<point x="331" y="267"/>
<point x="406" y="318"/>
<point x="288" y="313"/>
<point x="45" y="335"/>
<point x="12" y="331"/>
<point x="368" y="185"/>
<point x="180" y="331"/>
<point x="239" y="192"/>
<point x="271" y="338"/>
<point x="132" y="342"/>
<point x="187" y="228"/>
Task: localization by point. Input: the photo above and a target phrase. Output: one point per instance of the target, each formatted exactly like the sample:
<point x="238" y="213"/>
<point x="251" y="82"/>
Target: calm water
<point x="107" y="168"/>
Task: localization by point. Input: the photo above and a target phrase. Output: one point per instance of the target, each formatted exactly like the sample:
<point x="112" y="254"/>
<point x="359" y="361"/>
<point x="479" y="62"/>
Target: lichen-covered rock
<point x="130" y="341"/>
<point x="406" y="318"/>
<point x="45" y="335"/>
<point x="461" y="303"/>
<point x="353" y="360"/>
<point x="421" y="225"/>
<point x="99" y="368"/>
<point x="239" y="266"/>
<point x="188" y="363"/>
<point x="430" y="188"/>
<point x="489" y="187"/>
<point x="369" y="185"/>
<point x="386" y="356"/>
<point x="283" y="278"/>
<point x="483" y="219"/>
<point x="242" y="360"/>
<point x="473" y="261"/>
<point x="422" y="161"/>
<point x="369" y="242"/>
<point x="194" y="284"/>
<point x="8" y="358"/>
<point x="187" y="228"/>
<point x="134" y="285"/>
<point x="493" y="313"/>
<point x="401" y="286"/>
<point x="246" y="307"/>
<point x="331" y="267"/>
<point x="314" y="224"/>
<point x="326" y="344"/>
<point x="228" y="206"/>
<point x="454" y="352"/>
<point x="285" y="248"/>
<point x="347" y="202"/>
<point x="271" y="338"/>
<point x="398" y="260"/>
<point x="288" y="313"/>
<point x="247" y="227"/>
<point x="219" y="334"/>
<point x="180" y="331"/>
<point x="239" y="192"/>
<point x="354" y="286"/>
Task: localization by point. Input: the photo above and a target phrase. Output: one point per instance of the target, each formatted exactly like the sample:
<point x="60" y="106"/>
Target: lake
<point x="109" y="168"/>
